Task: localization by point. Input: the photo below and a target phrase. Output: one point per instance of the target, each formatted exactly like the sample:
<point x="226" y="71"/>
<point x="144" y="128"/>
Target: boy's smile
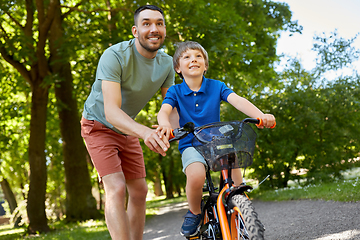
<point x="192" y="64"/>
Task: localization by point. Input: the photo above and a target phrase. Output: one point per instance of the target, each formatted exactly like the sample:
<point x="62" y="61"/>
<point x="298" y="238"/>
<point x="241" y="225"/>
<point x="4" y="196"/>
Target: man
<point x="128" y="75"/>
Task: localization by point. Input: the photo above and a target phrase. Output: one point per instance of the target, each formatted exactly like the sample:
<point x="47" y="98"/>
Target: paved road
<point x="166" y="224"/>
<point x="300" y="220"/>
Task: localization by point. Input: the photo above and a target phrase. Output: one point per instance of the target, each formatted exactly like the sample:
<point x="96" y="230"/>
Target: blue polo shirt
<point x="201" y="107"/>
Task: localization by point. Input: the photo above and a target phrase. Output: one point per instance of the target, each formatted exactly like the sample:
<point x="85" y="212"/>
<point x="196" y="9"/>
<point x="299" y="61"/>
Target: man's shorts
<point x="112" y="152"/>
<point x="191" y="155"/>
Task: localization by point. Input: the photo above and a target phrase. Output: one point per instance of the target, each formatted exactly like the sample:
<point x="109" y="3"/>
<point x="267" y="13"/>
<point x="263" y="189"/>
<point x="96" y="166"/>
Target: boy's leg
<point x="236" y="176"/>
<point x="194" y="168"/>
<point x="195" y="178"/>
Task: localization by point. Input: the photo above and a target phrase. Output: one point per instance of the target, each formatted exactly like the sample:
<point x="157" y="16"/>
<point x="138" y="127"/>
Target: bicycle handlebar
<point x="180" y="133"/>
<point x="258" y="122"/>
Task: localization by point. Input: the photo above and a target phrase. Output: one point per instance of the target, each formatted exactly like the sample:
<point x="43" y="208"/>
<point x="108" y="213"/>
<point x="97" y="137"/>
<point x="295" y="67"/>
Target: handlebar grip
<point x="261" y="123"/>
<point x="171" y="134"/>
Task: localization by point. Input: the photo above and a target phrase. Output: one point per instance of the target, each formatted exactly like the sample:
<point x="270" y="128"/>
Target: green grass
<point x="342" y="190"/>
<point x="345" y="190"/>
<point x="89" y="230"/>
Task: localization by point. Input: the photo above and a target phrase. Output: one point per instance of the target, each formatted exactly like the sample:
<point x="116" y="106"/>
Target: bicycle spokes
<point x="238" y="231"/>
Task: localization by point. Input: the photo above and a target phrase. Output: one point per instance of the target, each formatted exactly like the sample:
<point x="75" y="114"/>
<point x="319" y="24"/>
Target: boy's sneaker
<point x="191" y="225"/>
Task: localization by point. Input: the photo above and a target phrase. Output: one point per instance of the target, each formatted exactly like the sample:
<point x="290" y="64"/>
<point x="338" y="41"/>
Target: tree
<point x="316" y="133"/>
<point x="32" y="64"/>
<point x="80" y="204"/>
<point x="13" y="140"/>
<point x="35" y="66"/>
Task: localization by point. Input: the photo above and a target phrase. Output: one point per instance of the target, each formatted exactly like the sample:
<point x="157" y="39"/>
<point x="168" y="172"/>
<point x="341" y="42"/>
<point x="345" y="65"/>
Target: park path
<point x="286" y="220"/>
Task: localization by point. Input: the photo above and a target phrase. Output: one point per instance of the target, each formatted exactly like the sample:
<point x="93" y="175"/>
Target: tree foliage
<point x="316" y="132"/>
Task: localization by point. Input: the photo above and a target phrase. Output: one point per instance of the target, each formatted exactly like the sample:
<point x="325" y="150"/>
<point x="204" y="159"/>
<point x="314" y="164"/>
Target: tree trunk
<point x="80" y="203"/>
<point x="38" y="172"/>
<point x="10" y="198"/>
<point x="9" y="195"/>
<point x="178" y="190"/>
<point x="168" y="180"/>
<point x="157" y="186"/>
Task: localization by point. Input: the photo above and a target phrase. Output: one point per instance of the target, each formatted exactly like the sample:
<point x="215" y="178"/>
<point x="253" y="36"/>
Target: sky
<point x="317" y="17"/>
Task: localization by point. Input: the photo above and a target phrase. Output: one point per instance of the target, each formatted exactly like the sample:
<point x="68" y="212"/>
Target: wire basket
<point x="225" y="143"/>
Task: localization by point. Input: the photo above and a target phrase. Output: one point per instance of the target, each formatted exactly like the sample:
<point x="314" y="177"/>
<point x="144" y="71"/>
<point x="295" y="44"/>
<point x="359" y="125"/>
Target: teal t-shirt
<point x="140" y="78"/>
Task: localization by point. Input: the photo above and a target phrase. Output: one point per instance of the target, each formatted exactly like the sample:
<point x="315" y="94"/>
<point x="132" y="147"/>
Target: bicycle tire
<point x="254" y="227"/>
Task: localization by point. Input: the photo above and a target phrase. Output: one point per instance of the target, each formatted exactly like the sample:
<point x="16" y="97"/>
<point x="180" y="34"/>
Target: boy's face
<point x="191" y="64"/>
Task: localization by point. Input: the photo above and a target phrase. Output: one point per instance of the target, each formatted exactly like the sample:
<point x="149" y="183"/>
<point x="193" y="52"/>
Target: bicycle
<point x="228" y="213"/>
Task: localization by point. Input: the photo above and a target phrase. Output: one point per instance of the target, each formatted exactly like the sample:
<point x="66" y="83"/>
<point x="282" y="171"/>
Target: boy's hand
<point x="268" y="121"/>
<point x="164" y="131"/>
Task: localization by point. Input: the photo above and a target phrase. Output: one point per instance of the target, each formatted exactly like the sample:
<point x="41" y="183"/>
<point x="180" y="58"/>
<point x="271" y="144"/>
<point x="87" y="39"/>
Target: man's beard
<point x="148" y="47"/>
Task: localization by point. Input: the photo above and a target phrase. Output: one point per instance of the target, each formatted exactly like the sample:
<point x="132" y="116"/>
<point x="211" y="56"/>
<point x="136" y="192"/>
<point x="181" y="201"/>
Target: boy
<point x="197" y="100"/>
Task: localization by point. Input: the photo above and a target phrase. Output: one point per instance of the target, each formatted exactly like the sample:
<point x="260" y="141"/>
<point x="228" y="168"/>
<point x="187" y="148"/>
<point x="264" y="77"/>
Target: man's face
<point x="150" y="30"/>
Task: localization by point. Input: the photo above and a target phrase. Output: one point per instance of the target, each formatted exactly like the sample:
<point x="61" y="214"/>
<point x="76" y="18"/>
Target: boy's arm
<point x="163" y="118"/>
<point x="174" y="116"/>
<point x="246" y="107"/>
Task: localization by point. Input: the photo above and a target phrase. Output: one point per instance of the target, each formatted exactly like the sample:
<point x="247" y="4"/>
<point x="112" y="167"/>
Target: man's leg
<point x="115" y="215"/>
<point x="136" y="210"/>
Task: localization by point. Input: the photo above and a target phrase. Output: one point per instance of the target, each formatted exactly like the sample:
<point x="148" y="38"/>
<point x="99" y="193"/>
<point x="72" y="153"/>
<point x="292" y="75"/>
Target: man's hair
<point x="183" y="47"/>
<point x="145" y="7"/>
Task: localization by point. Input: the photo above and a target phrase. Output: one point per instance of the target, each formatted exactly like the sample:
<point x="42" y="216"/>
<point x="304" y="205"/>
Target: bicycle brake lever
<point x="180" y="133"/>
<point x="263" y="180"/>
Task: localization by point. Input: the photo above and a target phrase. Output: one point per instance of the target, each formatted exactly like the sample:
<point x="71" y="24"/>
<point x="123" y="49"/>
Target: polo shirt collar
<point x="188" y="91"/>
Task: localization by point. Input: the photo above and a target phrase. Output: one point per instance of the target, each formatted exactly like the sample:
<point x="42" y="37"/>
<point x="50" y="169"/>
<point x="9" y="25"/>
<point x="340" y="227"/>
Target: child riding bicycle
<point x="197" y="99"/>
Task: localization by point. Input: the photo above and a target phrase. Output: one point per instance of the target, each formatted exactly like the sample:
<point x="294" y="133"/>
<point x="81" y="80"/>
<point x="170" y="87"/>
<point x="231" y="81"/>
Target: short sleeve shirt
<point x="201" y="107"/>
<point x="139" y="77"/>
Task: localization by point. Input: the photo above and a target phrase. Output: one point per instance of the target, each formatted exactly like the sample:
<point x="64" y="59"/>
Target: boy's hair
<point x="145" y="7"/>
<point x="183" y="47"/>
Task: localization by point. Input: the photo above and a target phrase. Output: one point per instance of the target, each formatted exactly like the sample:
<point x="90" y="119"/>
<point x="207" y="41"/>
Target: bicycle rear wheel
<point x="244" y="213"/>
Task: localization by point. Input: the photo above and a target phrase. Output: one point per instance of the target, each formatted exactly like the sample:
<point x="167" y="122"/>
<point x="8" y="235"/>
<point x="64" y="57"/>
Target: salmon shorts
<point x="112" y="152"/>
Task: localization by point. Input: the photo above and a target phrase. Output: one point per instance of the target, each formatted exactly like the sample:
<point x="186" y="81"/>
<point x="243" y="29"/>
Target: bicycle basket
<point x="225" y="143"/>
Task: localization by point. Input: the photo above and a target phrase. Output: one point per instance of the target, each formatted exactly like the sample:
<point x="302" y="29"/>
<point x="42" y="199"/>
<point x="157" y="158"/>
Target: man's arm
<point x="123" y="122"/>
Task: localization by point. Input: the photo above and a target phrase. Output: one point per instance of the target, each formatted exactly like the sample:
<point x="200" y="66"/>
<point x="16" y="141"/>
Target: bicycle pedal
<point x="194" y="237"/>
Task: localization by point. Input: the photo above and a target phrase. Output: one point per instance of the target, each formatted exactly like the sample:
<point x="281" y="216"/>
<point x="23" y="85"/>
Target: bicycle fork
<point x="223" y="215"/>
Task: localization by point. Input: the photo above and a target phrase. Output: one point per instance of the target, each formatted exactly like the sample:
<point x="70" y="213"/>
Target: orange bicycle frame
<point x="224" y="226"/>
<point x="225" y="230"/>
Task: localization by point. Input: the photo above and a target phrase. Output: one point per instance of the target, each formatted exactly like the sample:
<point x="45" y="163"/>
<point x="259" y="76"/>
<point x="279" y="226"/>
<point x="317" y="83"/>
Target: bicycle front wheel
<point x="244" y="222"/>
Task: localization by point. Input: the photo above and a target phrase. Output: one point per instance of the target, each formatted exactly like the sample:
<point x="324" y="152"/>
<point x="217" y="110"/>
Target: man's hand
<point x="155" y="143"/>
